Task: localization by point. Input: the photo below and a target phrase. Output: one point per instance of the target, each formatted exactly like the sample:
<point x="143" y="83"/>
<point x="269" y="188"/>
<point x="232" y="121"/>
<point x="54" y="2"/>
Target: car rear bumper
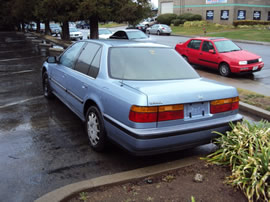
<point x="160" y="140"/>
<point x="247" y="68"/>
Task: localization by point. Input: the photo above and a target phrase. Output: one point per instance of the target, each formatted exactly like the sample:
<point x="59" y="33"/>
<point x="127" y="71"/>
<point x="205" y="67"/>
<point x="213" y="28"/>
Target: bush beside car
<point x="169" y="19"/>
<point x="166" y="18"/>
<point x="250" y="22"/>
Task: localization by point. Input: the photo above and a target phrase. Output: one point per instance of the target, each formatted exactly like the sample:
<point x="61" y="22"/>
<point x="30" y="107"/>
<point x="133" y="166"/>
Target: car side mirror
<point x="52" y="59"/>
<point x="212" y="51"/>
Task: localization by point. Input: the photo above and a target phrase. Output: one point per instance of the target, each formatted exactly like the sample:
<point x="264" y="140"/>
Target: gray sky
<point x="155" y="2"/>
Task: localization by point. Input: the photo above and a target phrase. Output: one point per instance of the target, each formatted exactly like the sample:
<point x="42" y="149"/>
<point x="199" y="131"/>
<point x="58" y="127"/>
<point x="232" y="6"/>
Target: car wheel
<point x="185" y="57"/>
<point x="158" y="32"/>
<point x="95" y="129"/>
<point x="169" y="34"/>
<point x="46" y="86"/>
<point x="224" y="69"/>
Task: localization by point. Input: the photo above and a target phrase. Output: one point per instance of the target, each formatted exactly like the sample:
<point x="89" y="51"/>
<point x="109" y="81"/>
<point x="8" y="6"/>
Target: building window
<point x="241" y="15"/>
<point x="224" y="15"/>
<point x="257" y="15"/>
<point x="269" y="15"/>
<point x="210" y="15"/>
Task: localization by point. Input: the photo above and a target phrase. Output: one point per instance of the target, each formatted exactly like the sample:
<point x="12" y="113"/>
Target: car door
<point x="208" y="56"/>
<point x="60" y="70"/>
<point x="193" y="51"/>
<point x="80" y="80"/>
<point x="154" y="29"/>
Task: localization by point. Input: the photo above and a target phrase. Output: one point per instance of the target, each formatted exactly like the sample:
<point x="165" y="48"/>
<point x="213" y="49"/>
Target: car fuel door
<point x="208" y="56"/>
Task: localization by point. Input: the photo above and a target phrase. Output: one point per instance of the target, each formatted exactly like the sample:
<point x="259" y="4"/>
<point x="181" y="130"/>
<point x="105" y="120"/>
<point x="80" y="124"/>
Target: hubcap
<point x="223" y="69"/>
<point x="93" y="128"/>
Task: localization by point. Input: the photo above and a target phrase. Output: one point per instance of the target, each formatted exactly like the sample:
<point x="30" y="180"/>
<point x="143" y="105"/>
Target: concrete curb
<point x="71" y="189"/>
<point x="256" y="111"/>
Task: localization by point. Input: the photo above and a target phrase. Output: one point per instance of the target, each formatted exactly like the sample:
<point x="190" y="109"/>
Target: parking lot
<point x="43" y="145"/>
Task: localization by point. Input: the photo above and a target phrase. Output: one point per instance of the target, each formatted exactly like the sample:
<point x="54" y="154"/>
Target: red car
<point x="221" y="54"/>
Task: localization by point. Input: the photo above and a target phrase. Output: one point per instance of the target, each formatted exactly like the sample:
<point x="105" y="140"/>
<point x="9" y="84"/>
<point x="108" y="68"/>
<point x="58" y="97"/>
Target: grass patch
<point x="111" y="25"/>
<point x="258" y="33"/>
<point x="199" y="30"/>
<point x="245" y="34"/>
<point x="255" y="99"/>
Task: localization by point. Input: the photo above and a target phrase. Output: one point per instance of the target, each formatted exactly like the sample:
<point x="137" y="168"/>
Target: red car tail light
<point x="153" y="114"/>
<point x="170" y="112"/>
<point x="229" y="104"/>
<point x="143" y="114"/>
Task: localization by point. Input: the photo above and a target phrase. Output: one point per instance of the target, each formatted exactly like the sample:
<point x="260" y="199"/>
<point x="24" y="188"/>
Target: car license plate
<point x="196" y="110"/>
<point x="255" y="68"/>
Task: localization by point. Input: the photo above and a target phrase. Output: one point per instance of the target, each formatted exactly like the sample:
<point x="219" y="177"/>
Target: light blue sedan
<point x="143" y="96"/>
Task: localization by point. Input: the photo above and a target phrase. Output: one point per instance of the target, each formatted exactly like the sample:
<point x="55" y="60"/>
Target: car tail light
<point x="153" y="114"/>
<point x="229" y="104"/>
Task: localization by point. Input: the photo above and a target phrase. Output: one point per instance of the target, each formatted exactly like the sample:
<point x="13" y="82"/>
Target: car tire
<point x="224" y="69"/>
<point x="47" y="92"/>
<point x="169" y="34"/>
<point x="158" y="32"/>
<point x="95" y="129"/>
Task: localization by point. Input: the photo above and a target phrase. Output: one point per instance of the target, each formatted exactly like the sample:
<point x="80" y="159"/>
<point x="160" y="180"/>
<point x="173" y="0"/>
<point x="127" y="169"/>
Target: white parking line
<point x="19" y="72"/>
<point x="20" y="102"/>
<point x="6" y="60"/>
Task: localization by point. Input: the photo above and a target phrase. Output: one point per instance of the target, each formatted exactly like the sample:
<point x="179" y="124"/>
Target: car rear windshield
<point x="130" y="63"/>
<point x="136" y="35"/>
<point x="226" y="46"/>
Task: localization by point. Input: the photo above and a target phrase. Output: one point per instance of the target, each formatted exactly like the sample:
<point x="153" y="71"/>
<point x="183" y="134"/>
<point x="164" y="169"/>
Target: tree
<point x="114" y="10"/>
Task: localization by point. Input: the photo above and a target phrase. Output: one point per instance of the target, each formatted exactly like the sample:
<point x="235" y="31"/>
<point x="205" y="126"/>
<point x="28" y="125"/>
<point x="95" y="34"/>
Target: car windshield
<point x="226" y="46"/>
<point x="73" y="29"/>
<point x="54" y="26"/>
<point x="148" y="64"/>
<point x="136" y="35"/>
<point x="104" y="31"/>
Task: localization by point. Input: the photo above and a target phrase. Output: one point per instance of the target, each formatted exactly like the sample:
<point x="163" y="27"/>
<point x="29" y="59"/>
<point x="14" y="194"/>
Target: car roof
<point x="129" y="30"/>
<point x="126" y="43"/>
<point x="212" y="38"/>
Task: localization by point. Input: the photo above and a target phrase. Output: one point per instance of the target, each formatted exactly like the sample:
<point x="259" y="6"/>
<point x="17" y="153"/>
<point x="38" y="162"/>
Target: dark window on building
<point x="69" y="57"/>
<point x="93" y="72"/>
<point x="207" y="45"/>
<point x="86" y="58"/>
<point x="224" y="15"/>
<point x="241" y="15"/>
<point x="257" y="15"/>
<point x="195" y="44"/>
<point x="210" y="15"/>
<point x="269" y="15"/>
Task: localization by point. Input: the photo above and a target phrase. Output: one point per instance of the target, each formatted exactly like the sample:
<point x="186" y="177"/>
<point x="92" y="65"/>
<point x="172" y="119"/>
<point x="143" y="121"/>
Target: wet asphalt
<point x="42" y="143"/>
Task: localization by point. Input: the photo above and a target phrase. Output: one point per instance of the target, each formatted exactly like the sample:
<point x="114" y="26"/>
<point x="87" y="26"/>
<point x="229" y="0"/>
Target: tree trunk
<point x="65" y="30"/>
<point x="47" y="27"/>
<point x="38" y="26"/>
<point x="94" y="27"/>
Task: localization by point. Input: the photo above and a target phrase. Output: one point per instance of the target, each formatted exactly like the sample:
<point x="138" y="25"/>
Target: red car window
<point x="195" y="44"/>
<point x="207" y="45"/>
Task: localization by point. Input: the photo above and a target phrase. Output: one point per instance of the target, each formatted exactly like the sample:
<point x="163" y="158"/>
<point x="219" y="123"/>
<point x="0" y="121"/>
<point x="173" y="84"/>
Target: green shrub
<point x="250" y="22"/>
<point x="189" y="17"/>
<point x="177" y="22"/>
<point x="166" y="18"/>
<point x="195" y="24"/>
<point x="246" y="149"/>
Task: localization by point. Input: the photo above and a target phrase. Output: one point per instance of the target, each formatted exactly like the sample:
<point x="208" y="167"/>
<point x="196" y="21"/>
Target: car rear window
<point x="130" y="63"/>
<point x="136" y="35"/>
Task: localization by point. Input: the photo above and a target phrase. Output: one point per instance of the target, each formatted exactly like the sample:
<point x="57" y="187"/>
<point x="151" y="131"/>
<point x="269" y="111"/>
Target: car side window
<point x="207" y="45"/>
<point x="94" y="69"/>
<point x="86" y="57"/>
<point x="69" y="57"/>
<point x="195" y="44"/>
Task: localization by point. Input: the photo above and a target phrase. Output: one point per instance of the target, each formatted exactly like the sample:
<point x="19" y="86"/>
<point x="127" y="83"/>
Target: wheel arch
<point x="92" y="102"/>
